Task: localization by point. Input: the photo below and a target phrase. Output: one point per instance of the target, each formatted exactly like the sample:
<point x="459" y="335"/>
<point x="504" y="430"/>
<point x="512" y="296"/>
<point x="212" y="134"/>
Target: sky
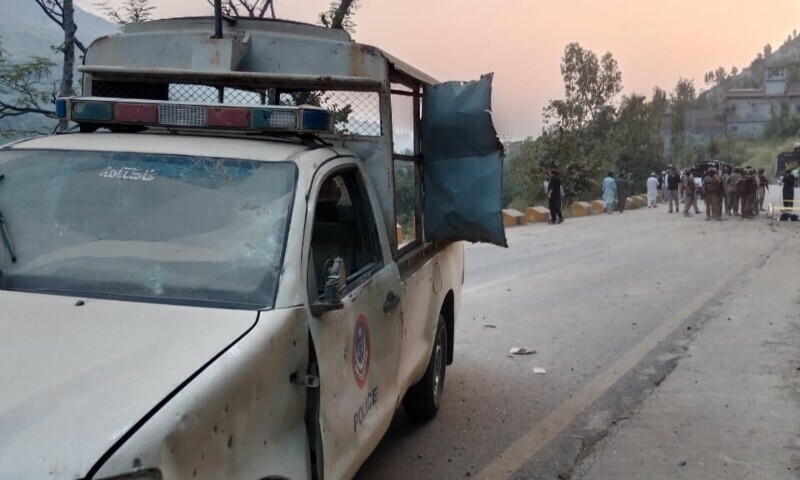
<point x="522" y="41"/>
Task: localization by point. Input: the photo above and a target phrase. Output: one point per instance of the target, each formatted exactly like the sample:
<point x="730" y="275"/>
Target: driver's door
<point x="358" y="346"/>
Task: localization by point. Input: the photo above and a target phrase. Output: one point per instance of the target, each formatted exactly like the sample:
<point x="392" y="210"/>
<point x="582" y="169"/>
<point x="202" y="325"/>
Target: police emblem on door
<point x="361" y="351"/>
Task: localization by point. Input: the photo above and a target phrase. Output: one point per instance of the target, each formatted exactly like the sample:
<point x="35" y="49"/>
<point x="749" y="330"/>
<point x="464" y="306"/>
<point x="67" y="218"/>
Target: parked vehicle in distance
<point x="787" y="161"/>
<point x="209" y="280"/>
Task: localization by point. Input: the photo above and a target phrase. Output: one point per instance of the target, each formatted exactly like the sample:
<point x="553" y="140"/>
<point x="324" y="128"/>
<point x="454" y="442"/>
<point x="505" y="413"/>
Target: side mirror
<point x="335" y="281"/>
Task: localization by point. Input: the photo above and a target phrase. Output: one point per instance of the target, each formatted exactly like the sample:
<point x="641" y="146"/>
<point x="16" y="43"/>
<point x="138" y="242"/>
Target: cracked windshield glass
<point x="145" y="226"/>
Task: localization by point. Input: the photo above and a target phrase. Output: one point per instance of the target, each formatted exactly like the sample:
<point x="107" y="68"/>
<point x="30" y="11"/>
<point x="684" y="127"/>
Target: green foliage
<point x="783" y="124"/>
<point x="589" y="85"/>
<point x="754" y="152"/>
<point x="637" y="144"/>
<point x="340" y="15"/>
<point x="587" y="135"/>
<point x="405" y="195"/>
<point x="24" y="90"/>
<point x="681" y="101"/>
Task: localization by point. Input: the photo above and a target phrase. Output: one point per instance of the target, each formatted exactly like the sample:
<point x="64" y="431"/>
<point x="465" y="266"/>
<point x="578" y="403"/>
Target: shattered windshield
<point x="147" y="227"/>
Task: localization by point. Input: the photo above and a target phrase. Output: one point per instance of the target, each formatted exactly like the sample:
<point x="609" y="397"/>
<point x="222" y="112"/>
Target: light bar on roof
<point x="107" y="112"/>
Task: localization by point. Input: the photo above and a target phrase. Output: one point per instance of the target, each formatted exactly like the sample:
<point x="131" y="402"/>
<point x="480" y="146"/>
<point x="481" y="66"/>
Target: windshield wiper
<point x="4" y="233"/>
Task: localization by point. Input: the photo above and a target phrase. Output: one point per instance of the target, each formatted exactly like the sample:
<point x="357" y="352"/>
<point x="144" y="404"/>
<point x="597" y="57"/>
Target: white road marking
<point x="532" y="441"/>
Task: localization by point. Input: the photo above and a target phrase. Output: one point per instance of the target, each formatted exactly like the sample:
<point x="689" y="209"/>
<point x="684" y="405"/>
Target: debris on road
<point x="521" y="351"/>
<point x="539" y="370"/>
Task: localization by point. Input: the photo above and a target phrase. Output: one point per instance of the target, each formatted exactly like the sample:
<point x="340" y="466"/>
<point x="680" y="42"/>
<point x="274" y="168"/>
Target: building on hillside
<point x="700" y="125"/>
<point x="750" y="109"/>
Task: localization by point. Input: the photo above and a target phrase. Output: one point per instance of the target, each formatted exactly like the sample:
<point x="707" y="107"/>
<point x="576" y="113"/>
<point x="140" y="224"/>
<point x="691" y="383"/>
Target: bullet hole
<point x="227" y="407"/>
<point x="230" y="442"/>
<point x="137" y="463"/>
<point x="215" y="429"/>
<point x="80" y="303"/>
<point x="194" y="473"/>
<point x="294" y="343"/>
<point x="682" y="464"/>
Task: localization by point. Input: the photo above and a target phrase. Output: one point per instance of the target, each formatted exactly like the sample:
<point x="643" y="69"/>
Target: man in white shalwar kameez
<point x="652" y="188"/>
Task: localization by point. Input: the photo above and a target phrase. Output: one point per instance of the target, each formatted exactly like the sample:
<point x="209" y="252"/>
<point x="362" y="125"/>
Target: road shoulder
<point x="731" y="407"/>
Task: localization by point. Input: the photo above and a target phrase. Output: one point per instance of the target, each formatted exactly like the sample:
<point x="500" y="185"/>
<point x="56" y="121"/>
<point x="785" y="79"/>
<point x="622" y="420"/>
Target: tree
<point x="247" y="8"/>
<point x="589" y="85"/>
<point x="637" y="136"/>
<point x="62" y="12"/>
<point x="575" y="140"/>
<point x="23" y="88"/>
<point x="131" y="11"/>
<point x="340" y="15"/>
<point x="681" y="101"/>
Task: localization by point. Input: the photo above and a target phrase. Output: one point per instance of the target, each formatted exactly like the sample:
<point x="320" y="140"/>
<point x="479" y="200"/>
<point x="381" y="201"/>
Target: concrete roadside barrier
<point x="512" y="217"/>
<point x="598" y="206"/>
<point x="580" y="209"/>
<point x="537" y="214"/>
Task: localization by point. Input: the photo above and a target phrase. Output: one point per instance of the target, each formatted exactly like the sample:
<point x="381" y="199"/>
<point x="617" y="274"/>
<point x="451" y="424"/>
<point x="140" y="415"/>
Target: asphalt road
<point x="610" y="303"/>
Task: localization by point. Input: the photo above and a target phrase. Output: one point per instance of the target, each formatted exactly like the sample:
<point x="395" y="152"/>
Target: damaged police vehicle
<point x="212" y="276"/>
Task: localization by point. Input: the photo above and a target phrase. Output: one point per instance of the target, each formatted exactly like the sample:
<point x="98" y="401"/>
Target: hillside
<point x="752" y="76"/>
<point x="26" y="31"/>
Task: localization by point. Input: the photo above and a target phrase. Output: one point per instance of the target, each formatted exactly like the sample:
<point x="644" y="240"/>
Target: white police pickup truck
<point x="227" y="273"/>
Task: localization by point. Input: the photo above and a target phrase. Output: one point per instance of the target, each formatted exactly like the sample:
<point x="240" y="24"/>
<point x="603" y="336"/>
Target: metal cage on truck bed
<point x="376" y="98"/>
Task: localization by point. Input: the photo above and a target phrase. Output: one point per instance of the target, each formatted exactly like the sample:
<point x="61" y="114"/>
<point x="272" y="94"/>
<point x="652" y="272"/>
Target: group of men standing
<point x="735" y="190"/>
<point x="615" y="189"/>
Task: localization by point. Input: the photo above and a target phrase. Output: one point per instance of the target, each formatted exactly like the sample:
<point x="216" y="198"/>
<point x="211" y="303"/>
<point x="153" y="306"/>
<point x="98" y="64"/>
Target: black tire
<point x="422" y="400"/>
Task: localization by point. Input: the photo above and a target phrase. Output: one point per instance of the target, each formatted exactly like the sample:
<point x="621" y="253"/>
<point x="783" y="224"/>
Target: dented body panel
<point x="75" y="379"/>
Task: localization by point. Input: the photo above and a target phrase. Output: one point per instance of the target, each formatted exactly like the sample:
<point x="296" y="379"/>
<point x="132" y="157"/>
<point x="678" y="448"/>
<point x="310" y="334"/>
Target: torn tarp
<point x="462" y="169"/>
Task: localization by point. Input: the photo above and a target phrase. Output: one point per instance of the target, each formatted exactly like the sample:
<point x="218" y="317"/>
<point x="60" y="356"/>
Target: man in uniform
<point x="749" y="194"/>
<point x="726" y="197"/>
<point x="712" y="185"/>
<point x="688" y="187"/>
<point x="763" y="188"/>
<point x="733" y="181"/>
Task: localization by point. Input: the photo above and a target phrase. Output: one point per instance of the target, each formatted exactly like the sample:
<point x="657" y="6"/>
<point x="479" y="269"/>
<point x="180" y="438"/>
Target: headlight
<point x="142" y="475"/>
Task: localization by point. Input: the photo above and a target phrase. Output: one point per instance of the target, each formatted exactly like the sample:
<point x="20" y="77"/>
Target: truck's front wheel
<point x="422" y="400"/>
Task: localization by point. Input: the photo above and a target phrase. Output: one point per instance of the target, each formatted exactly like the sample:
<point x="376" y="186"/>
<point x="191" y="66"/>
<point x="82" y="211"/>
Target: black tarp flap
<point x="462" y="169"/>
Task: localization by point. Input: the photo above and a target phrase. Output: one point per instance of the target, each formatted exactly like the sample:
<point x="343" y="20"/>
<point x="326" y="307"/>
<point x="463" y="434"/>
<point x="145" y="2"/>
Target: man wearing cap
<point x="749" y="194"/>
<point x="726" y="196"/>
<point x="688" y="186"/>
<point x="653" y="185"/>
<point x="763" y="188"/>
<point x="734" y="181"/>
<point x="712" y="185"/>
